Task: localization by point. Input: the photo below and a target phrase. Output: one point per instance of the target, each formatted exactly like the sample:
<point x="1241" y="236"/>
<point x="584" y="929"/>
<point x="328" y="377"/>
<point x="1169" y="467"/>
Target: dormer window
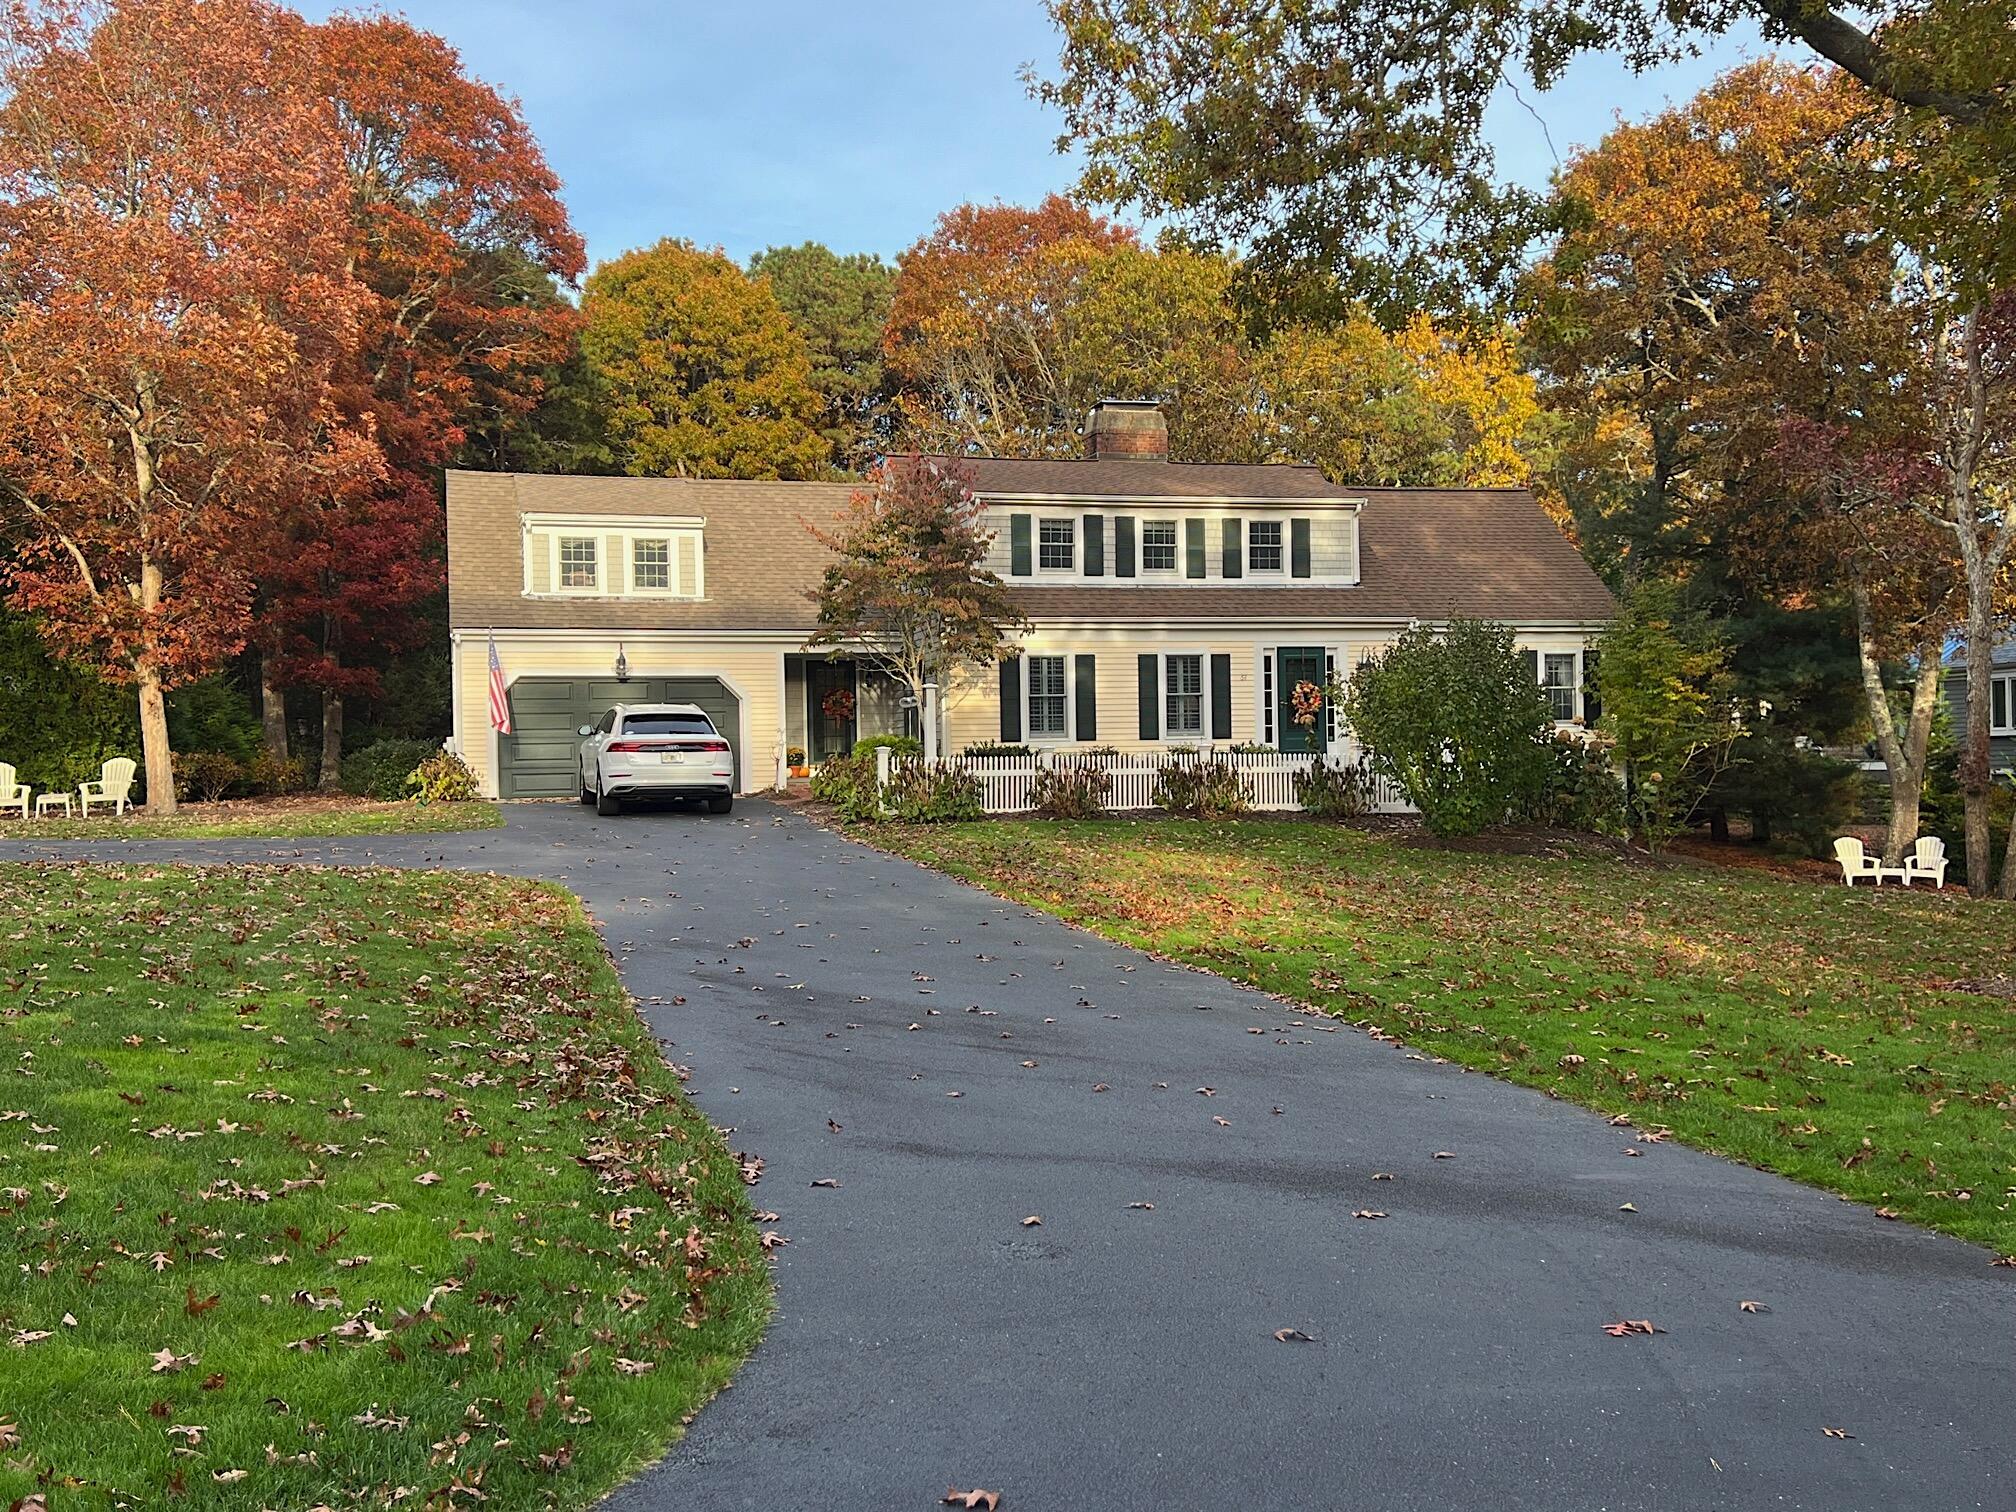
<point x="651" y="564"/>
<point x="1158" y="546"/>
<point x="1057" y="545"/>
<point x="1263" y="546"/>
<point x="579" y="569"/>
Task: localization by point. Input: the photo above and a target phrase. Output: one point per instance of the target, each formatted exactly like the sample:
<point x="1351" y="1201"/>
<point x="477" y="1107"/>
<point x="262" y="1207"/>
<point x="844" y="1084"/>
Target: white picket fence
<point x="1268" y="777"/>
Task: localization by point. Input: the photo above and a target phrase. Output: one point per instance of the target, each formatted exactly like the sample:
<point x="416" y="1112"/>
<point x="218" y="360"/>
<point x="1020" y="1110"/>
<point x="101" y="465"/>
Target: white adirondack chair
<point x="1856" y="862"/>
<point x="13" y="794"/>
<point x="115" y="781"/>
<point x="1927" y="859"/>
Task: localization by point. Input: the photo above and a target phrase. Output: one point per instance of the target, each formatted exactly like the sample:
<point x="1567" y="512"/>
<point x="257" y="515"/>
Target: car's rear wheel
<point x="720" y="805"/>
<point x="587" y="793"/>
<point x="606" y="806"/>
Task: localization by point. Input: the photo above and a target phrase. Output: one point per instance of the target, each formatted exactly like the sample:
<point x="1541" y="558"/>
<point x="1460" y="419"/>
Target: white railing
<point x="1268" y="777"/>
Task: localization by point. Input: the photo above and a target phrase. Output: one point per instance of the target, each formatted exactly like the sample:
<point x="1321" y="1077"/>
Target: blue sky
<point x="780" y="121"/>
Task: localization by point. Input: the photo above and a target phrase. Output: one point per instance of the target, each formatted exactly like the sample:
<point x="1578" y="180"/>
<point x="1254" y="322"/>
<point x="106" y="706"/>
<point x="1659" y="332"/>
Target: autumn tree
<point x="705" y="374"/>
<point x="1724" y="290"/>
<point x="840" y="306"/>
<point x="907" y="588"/>
<point x="1344" y="145"/>
<point x="175" y="318"/>
<point x="457" y="236"/>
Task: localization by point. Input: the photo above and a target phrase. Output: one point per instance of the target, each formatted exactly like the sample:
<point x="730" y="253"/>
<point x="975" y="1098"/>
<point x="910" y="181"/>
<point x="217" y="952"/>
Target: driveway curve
<point x="985" y="1065"/>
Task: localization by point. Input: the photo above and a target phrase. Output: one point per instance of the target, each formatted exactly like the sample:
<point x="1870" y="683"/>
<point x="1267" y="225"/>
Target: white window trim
<point x="553" y="567"/>
<point x="1540" y="655"/>
<point x="1286" y="546"/>
<point x="1204" y="708"/>
<point x="671" y="589"/>
<point x="2008" y="725"/>
<point x="1077" y="529"/>
<point x="1070" y="735"/>
<point x="1175" y="567"/>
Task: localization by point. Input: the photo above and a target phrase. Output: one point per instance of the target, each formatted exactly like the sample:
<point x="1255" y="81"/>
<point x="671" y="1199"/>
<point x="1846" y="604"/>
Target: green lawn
<point x="346" y="1188"/>
<point x="1807" y="1029"/>
<point x="279" y="819"/>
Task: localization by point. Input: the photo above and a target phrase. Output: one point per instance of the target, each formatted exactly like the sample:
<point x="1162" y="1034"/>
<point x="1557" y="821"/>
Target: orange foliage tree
<point x="175" y="316"/>
<point x="455" y="231"/>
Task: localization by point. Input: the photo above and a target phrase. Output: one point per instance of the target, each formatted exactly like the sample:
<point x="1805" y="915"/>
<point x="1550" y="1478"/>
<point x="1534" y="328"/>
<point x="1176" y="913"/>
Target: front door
<point x="832" y="696"/>
<point x="1292" y="665"/>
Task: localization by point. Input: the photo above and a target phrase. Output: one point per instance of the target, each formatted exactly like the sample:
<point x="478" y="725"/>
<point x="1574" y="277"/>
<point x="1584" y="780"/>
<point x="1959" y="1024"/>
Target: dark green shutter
<point x="1123" y="545"/>
<point x="1193" y="548"/>
<point x="1011" y="700"/>
<point x="1095" y="545"/>
<point x="1150" y="668"/>
<point x="1592" y="701"/>
<point x="1232" y="545"/>
<point x="1532" y="661"/>
<point x="1020" y="558"/>
<point x="1221" y="697"/>
<point x="1086" y="671"/>
<point x="1298" y="548"/>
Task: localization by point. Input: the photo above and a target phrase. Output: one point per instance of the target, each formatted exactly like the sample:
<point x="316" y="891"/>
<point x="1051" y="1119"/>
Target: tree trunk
<point x="1718" y="825"/>
<point x="1976" y="783"/>
<point x="272" y="710"/>
<point x="1903" y="758"/>
<point x="154" y="747"/>
<point x="2009" y="862"/>
<point x="331" y="780"/>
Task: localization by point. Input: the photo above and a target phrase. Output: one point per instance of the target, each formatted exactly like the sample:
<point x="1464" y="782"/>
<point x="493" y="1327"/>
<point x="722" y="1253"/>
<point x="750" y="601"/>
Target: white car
<point x="656" y="751"/>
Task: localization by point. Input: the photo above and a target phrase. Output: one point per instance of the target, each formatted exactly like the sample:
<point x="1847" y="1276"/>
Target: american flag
<point x="500" y="706"/>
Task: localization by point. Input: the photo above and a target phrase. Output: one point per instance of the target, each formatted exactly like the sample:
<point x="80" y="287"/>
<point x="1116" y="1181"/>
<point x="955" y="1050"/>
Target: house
<point x="2001" y="705"/>
<point x="1171" y="603"/>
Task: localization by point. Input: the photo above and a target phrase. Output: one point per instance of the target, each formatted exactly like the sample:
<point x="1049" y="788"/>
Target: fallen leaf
<point x="1032" y="1221"/>
<point x="1293" y="1336"/>
<point x="1368" y="1213"/>
<point x="634" y="1367"/>
<point x="1756" y="1307"/>
<point x="1627" y="1327"/>
<point x="426" y="1178"/>
<point x="1145" y="1207"/>
<point x="1625" y="1207"/>
<point x="1382" y="1175"/>
<point x="1840" y="1433"/>
<point x="1223" y="1123"/>
<point x="826" y="1181"/>
<point x="167" y="1362"/>
<point x="228" y="1477"/>
<point x="986" y="1500"/>
<point x="1443" y="1155"/>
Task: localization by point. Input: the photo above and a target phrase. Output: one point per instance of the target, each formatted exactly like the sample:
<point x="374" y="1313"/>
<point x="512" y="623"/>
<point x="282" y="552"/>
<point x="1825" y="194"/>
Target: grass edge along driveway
<point x="204" y="821"/>
<point x="345" y="1188"/>
<point x="1843" y="1039"/>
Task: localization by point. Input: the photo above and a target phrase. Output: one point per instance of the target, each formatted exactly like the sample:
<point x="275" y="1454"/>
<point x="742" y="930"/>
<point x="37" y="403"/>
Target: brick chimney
<point x="1127" y="430"/>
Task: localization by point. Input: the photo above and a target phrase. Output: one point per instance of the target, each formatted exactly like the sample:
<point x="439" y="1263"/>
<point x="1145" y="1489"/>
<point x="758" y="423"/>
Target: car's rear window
<point x="667" y="724"/>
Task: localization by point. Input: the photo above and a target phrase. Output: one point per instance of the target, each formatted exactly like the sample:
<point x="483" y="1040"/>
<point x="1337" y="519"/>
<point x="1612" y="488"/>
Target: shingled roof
<point x="1425" y="553"/>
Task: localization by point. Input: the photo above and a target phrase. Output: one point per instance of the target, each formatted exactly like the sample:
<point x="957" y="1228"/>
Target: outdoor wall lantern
<point x="622" y="664"/>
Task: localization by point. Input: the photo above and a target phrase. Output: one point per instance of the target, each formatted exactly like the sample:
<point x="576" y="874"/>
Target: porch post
<point x="929" y="717"/>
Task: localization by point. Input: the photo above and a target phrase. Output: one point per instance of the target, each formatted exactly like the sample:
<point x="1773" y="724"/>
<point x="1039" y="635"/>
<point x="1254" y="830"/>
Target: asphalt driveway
<point x="985" y="1065"/>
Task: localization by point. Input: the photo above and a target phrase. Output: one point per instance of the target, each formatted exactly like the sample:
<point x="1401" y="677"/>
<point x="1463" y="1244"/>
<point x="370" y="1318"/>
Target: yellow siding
<point x="753" y="671"/>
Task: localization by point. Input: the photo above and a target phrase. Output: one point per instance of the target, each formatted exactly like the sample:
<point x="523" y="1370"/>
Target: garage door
<point x="541" y="757"/>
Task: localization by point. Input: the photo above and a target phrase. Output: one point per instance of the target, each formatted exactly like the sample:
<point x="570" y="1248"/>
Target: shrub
<point x="848" y="783"/>
<point x="205" y="775"/>
<point x="1070" y="792"/>
<point x="1250" y="748"/>
<point x="1583" y="791"/>
<point x="1788" y="792"/>
<point x="899" y="745"/>
<point x="379" y="770"/>
<point x="442" y="778"/>
<point x="211" y="714"/>
<point x="1334" y="790"/>
<point x="994" y="748"/>
<point x="1455" y="718"/>
<point x="267" y="773"/>
<point x="945" y="793"/>
<point x="1206" y="789"/>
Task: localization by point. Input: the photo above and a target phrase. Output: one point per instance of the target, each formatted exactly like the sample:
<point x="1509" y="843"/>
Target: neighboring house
<point x="2001" y="705"/>
<point x="1171" y="603"/>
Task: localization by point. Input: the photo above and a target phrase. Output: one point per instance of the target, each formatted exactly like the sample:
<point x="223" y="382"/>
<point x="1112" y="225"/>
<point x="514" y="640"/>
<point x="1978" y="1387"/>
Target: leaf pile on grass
<point x="1839" y="1037"/>
<point x="278" y="819"/>
<point x="346" y="1189"/>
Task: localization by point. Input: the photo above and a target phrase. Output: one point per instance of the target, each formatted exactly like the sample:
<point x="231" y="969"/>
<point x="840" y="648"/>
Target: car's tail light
<point x="628" y="745"/>
<point x="712" y="745"/>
